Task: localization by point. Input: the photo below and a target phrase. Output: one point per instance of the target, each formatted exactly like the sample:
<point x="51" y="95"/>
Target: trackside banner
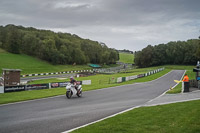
<point x="54" y="85"/>
<point x="14" y="88"/>
<point x="63" y="84"/>
<point x="41" y="86"/>
<point x="37" y="86"/>
<point x="58" y="84"/>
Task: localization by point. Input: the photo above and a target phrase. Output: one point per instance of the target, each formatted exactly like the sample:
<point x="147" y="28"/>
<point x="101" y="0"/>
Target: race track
<point x="58" y="114"/>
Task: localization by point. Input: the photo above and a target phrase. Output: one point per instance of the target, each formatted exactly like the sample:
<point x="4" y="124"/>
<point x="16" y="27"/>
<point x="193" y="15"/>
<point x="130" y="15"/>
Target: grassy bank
<point x="30" y="65"/>
<point x="171" y="118"/>
<point x="126" y="58"/>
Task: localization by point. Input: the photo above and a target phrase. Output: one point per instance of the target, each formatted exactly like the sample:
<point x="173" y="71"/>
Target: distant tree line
<point x="126" y="51"/>
<point x="177" y="53"/>
<point x="56" y="48"/>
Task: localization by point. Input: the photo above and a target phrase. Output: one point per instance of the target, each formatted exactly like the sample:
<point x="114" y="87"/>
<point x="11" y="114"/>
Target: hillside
<point x="126" y="58"/>
<point x="30" y="64"/>
<point x="55" y="48"/>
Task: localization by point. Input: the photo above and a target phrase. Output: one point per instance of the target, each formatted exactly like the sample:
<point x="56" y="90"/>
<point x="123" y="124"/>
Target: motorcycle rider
<point x="73" y="81"/>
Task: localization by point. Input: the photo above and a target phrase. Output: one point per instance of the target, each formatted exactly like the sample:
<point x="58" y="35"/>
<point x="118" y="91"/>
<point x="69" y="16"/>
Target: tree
<point x="13" y="40"/>
<point x="180" y="52"/>
<point x="159" y="55"/>
<point x="56" y="48"/>
<point x="146" y="56"/>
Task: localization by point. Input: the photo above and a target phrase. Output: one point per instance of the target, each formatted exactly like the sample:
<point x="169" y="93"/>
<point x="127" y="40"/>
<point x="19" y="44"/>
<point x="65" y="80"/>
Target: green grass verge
<point x="171" y="118"/>
<point x="175" y="90"/>
<point x="126" y="58"/>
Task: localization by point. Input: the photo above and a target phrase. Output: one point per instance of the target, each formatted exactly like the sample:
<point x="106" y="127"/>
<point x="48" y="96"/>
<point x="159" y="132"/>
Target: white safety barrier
<point x="127" y="78"/>
<point x="133" y="77"/>
<point x="39" y="74"/>
<point x="86" y="82"/>
<point x="1" y="89"/>
<point x="119" y="80"/>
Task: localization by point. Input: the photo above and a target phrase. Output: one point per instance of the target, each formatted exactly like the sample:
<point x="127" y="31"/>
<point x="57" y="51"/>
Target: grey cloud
<point x="112" y="12"/>
<point x="134" y="22"/>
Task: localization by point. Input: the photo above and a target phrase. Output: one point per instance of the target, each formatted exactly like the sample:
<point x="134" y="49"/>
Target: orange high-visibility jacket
<point x="186" y="79"/>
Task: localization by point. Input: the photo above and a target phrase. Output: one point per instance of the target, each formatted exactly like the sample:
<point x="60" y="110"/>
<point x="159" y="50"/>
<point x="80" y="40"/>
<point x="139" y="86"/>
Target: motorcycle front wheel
<point x="79" y="94"/>
<point x="69" y="94"/>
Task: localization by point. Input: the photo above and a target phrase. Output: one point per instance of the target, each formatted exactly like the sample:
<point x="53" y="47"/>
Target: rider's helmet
<point x="71" y="77"/>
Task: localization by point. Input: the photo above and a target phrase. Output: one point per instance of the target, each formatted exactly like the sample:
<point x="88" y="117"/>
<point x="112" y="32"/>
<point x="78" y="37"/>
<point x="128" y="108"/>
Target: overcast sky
<point x="120" y="24"/>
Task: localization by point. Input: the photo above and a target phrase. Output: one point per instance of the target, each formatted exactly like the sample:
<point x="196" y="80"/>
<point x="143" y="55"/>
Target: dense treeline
<point x="126" y="51"/>
<point x="56" y="48"/>
<point x="179" y="53"/>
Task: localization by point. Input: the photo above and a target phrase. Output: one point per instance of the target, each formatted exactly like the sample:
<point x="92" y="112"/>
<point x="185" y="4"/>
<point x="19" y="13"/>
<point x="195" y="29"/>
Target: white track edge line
<point x="178" y="101"/>
<point x="102" y="119"/>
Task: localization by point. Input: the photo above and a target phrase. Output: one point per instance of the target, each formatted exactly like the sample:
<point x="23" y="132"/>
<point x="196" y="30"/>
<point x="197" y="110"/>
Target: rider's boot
<point x="77" y="89"/>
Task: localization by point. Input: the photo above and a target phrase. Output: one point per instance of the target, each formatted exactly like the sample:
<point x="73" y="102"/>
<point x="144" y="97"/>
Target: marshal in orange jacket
<point x="186" y="78"/>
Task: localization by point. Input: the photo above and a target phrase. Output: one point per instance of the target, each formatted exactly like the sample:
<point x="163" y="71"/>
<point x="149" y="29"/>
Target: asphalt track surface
<point x="58" y="114"/>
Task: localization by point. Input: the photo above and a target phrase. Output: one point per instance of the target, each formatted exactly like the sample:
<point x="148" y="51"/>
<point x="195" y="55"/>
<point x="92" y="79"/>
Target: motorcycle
<point x="72" y="91"/>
